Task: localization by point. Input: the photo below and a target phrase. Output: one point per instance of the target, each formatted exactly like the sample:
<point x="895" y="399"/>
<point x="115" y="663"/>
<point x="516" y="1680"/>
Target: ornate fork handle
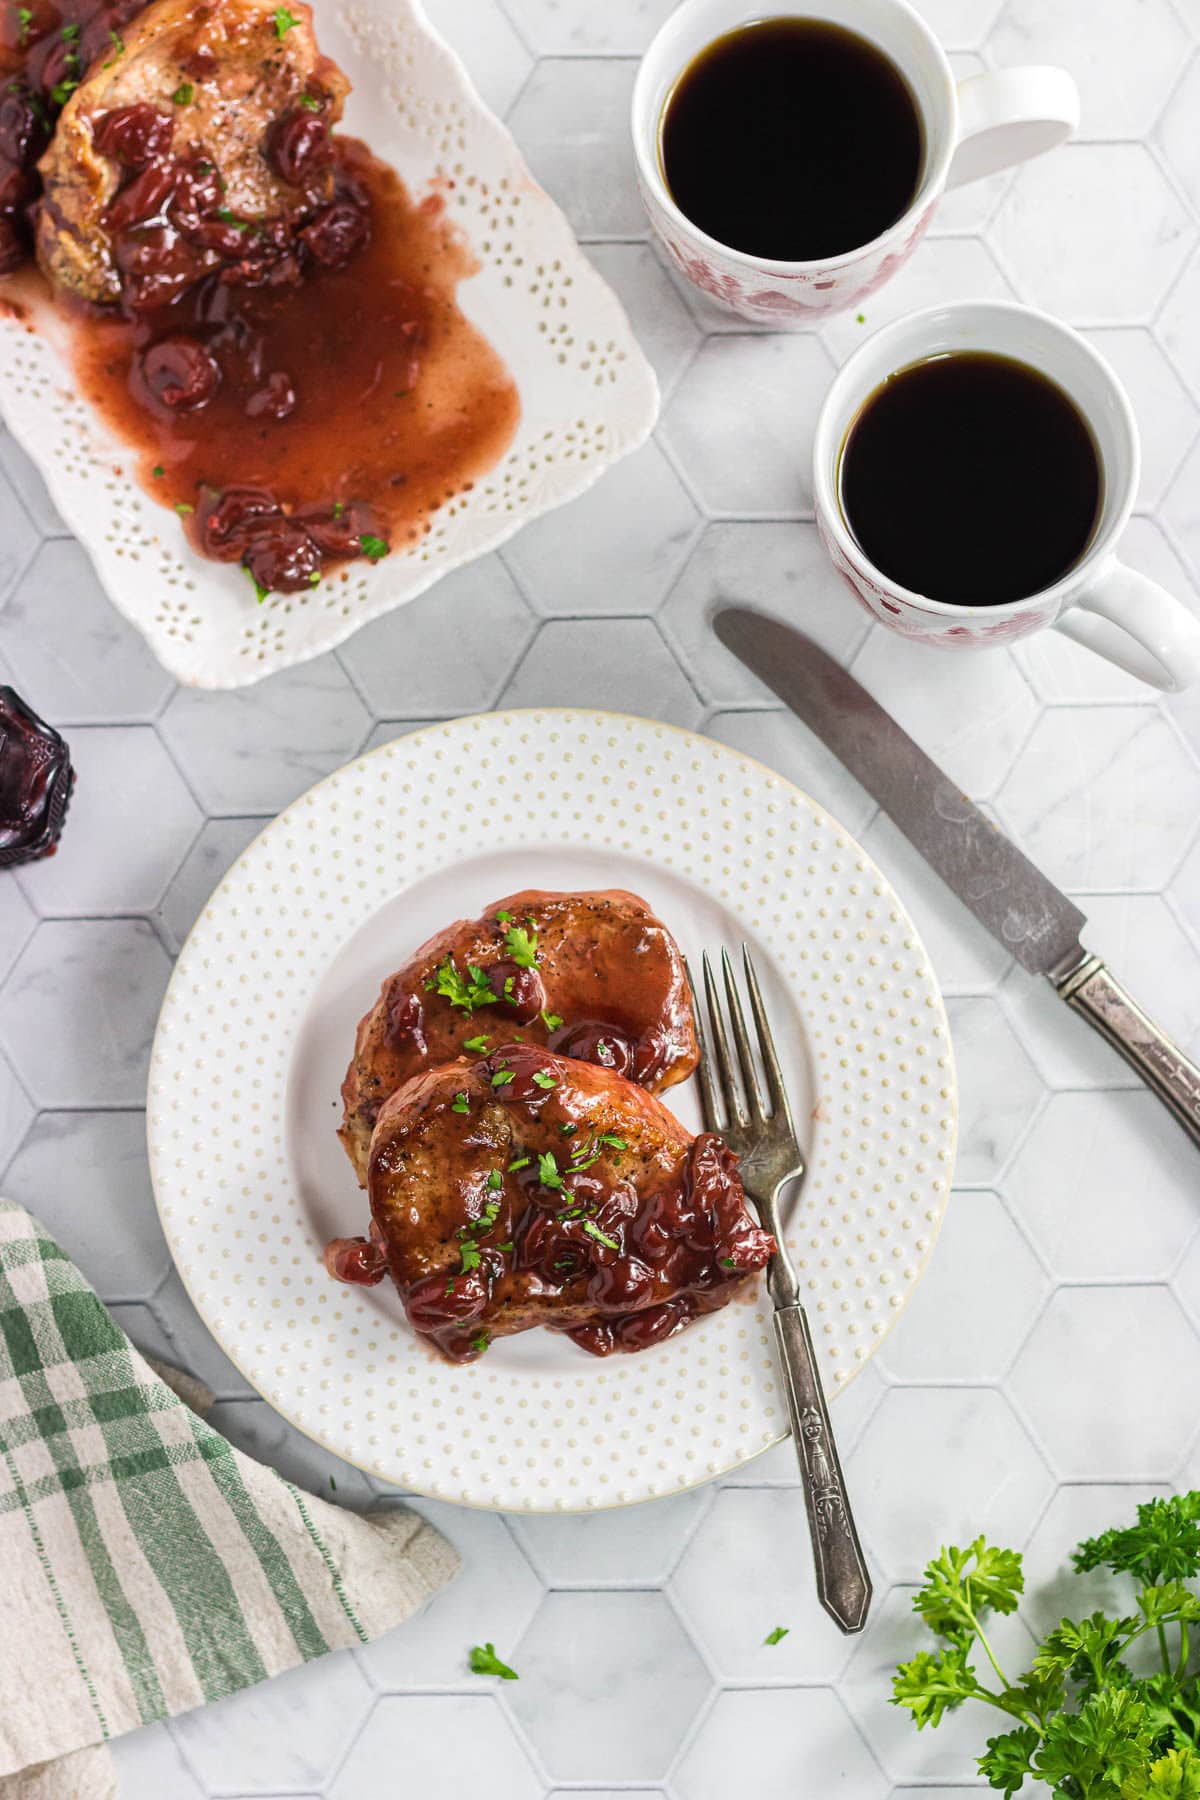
<point x="843" y="1584"/>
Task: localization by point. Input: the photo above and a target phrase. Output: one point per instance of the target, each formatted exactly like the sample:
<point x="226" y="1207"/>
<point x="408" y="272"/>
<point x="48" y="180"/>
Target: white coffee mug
<point x="971" y="129"/>
<point x="1100" y="602"/>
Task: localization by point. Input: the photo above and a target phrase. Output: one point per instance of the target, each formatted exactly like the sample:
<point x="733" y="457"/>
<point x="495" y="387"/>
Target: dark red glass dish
<point x="36" y="779"/>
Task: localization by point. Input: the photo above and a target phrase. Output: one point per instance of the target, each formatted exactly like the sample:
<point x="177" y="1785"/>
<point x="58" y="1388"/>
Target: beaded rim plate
<point x="588" y="395"/>
<point x="258" y="1024"/>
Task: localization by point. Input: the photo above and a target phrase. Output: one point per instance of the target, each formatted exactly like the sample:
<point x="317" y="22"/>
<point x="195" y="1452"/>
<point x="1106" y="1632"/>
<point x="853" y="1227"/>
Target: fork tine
<point x="710" y="1100"/>
<point x="776" y="1089"/>
<point x="737" y="1024"/>
<point x="733" y="1097"/>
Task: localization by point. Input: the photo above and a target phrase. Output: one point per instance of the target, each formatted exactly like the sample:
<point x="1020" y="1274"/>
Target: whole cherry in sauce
<point x="180" y="372"/>
<point x="227" y="522"/>
<point x="133" y="135"/>
<point x="336" y="233"/>
<point x="300" y="146"/>
<point x="282" y="557"/>
<point x="358" y="1261"/>
<point x="517" y="987"/>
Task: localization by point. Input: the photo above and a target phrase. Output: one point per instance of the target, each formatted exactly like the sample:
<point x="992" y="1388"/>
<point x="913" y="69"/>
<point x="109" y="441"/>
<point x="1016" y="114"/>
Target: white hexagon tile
<point x="1019" y="1395"/>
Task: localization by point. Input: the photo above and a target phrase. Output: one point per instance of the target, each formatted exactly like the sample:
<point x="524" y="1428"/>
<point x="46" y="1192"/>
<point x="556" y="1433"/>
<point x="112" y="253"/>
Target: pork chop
<point x="526" y="1189"/>
<point x="593" y="975"/>
<point x="178" y="150"/>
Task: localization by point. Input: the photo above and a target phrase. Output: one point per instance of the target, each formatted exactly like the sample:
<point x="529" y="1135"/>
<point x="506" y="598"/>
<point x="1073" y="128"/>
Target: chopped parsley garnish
<point x="182" y="508"/>
<point x="284" y="21"/>
<point x="519" y="1162"/>
<point x="484" y="1661"/>
<point x="468" y="994"/>
<point x="508" y="986"/>
<point x="450" y="1286"/>
<point x="777" y="1636"/>
<point x="568" y="1129"/>
<point x="727" y="1262"/>
<point x="486" y="1219"/>
<point x="551" y="1021"/>
<point x="71" y="32"/>
<point x="228" y="218"/>
<point x="604" y="1053"/>
<point x="503" y="918"/>
<point x="61" y="91"/>
<point x="507" y="1246"/>
<point x="339" y="508"/>
<point x="612" y="1140"/>
<point x="461" y="1104"/>
<point x="259" y="589"/>
<point x="373" y="548"/>
<point x="184" y="94"/>
<point x="118" y="49"/>
<point x="521" y="946"/>
<point x="594" y="1231"/>
<point x="548" y="1173"/>
<point x="544" y="1081"/>
<point x="24" y="20"/>
<point x="333" y="1484"/>
<point x="157" y="471"/>
<point x="470" y="1257"/>
<point x="502" y="1077"/>
<point x="479" y="1344"/>
<point x="495" y="1180"/>
<point x="479" y="1042"/>
<point x="312" y="104"/>
<point x="314" y="579"/>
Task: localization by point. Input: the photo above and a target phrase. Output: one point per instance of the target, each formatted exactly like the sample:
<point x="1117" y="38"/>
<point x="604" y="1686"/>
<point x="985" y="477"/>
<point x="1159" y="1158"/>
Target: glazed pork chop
<point x="593" y="975"/>
<point x="199" y="139"/>
<point x="526" y="1188"/>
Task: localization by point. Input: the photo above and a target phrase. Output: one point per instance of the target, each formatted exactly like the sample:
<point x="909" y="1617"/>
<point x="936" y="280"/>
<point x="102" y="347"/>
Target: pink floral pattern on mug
<point x="787" y="296"/>
<point x="899" y="615"/>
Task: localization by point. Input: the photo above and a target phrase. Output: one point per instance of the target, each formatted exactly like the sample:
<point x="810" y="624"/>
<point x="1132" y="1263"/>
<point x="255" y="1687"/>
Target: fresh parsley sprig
<point x="1079" y="1721"/>
<point x="522" y="945"/>
<point x="484" y="1661"/>
<point x="467" y="991"/>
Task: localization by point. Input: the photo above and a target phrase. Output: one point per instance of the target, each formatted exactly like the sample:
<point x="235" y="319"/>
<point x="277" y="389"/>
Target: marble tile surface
<point x="1017" y="1395"/>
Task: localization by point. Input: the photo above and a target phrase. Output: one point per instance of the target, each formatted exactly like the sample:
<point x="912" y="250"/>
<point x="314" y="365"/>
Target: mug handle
<point x="1131" y="621"/>
<point x="1005" y="116"/>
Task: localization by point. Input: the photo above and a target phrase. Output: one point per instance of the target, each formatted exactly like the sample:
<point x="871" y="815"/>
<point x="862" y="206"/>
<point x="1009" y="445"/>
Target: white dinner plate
<point x="588" y="395"/>
<point x="258" y="1025"/>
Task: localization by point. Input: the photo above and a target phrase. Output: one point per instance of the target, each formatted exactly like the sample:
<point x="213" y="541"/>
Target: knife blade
<point x="1007" y="893"/>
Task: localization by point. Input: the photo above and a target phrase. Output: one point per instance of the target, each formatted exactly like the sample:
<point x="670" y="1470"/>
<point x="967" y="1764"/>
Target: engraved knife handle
<point x="1092" y="991"/>
<point x="843" y="1584"/>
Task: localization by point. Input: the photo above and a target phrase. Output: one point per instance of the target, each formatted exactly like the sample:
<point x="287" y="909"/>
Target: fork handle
<point x="843" y="1584"/>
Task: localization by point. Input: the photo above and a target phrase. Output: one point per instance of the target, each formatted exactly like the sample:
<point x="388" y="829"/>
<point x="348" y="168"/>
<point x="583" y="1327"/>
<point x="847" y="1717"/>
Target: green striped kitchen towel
<point x="146" y="1566"/>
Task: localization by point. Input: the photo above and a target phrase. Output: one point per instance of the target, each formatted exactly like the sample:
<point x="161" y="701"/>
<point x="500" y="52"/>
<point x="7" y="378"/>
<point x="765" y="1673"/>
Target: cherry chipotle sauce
<point x="362" y="400"/>
<point x="524" y="1189"/>
<point x="301" y="392"/>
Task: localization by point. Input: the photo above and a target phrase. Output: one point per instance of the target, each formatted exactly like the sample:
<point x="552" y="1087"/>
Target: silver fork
<point x="762" y="1135"/>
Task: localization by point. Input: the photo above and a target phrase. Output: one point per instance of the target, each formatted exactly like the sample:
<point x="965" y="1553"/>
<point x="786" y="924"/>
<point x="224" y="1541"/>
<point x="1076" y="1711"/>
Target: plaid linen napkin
<point x="146" y="1566"/>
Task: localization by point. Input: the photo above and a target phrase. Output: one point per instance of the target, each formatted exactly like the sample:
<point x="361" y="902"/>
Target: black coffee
<point x="972" y="479"/>
<point x="792" y="139"/>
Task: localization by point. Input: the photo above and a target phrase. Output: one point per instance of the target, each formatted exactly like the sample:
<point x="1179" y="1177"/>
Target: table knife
<point x="1010" y="896"/>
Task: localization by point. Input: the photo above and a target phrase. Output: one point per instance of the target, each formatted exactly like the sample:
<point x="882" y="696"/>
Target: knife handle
<point x="843" y="1584"/>
<point x="1092" y="991"/>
